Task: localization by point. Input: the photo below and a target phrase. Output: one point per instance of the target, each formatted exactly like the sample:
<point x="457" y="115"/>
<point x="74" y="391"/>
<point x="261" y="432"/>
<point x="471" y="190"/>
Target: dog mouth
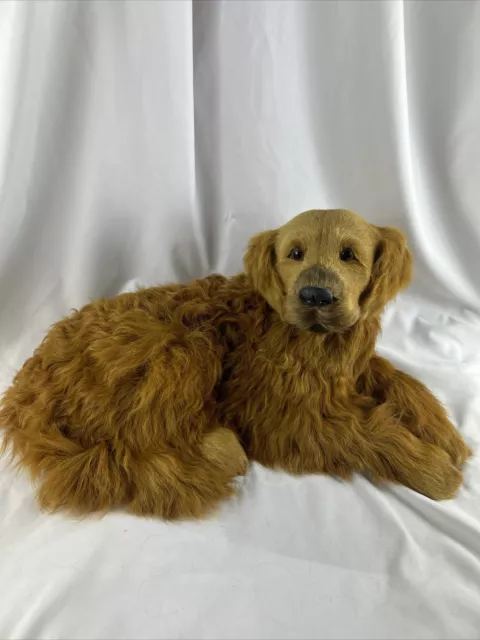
<point x="319" y="328"/>
<point x="334" y="318"/>
<point x="312" y="320"/>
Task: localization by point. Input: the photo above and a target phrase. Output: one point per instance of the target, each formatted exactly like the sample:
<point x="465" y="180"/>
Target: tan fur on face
<point x="321" y="236"/>
<point x="153" y="400"/>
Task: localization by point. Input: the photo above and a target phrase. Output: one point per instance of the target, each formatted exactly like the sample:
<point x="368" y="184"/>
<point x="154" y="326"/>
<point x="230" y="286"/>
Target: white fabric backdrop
<point x="142" y="142"/>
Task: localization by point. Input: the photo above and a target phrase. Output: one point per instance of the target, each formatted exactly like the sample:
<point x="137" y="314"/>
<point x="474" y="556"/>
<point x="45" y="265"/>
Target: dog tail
<point x="109" y="475"/>
<point x="69" y="476"/>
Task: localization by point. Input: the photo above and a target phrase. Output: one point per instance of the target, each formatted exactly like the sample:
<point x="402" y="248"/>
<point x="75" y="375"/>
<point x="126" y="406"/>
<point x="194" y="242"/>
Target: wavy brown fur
<point x="141" y="401"/>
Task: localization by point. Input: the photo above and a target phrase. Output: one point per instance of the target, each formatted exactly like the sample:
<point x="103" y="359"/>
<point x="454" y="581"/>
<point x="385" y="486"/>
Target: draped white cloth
<point x="144" y="142"/>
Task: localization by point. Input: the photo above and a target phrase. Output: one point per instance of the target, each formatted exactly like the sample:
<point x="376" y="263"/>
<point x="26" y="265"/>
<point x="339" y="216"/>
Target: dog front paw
<point x="456" y="448"/>
<point x="438" y="478"/>
<point x="445" y="437"/>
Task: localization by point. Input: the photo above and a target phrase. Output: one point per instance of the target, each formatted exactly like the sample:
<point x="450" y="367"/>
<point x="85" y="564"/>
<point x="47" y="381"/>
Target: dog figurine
<point x="154" y="401"/>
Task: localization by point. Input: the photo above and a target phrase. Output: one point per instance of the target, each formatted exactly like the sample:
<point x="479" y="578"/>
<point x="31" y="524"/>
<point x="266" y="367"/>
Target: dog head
<point x="325" y="270"/>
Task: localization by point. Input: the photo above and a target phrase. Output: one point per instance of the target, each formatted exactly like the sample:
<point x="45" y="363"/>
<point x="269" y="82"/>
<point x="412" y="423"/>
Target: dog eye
<point x="347" y="255"/>
<point x="296" y="254"/>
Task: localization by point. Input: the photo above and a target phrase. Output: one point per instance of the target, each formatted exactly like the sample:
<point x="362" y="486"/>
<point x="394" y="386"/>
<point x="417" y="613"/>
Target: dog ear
<point x="392" y="270"/>
<point x="259" y="263"/>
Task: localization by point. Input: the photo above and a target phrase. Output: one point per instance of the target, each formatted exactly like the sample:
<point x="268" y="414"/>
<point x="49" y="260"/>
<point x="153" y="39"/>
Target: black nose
<point x="316" y="296"/>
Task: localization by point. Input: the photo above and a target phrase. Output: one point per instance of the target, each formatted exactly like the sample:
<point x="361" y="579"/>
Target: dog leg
<point x="222" y="448"/>
<point x="417" y="409"/>
<point x="386" y="450"/>
<point x="158" y="482"/>
<point x="174" y="487"/>
<point x="379" y="447"/>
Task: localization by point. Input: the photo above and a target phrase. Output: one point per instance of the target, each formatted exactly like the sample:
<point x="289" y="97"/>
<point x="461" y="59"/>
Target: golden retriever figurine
<point x="153" y="401"/>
